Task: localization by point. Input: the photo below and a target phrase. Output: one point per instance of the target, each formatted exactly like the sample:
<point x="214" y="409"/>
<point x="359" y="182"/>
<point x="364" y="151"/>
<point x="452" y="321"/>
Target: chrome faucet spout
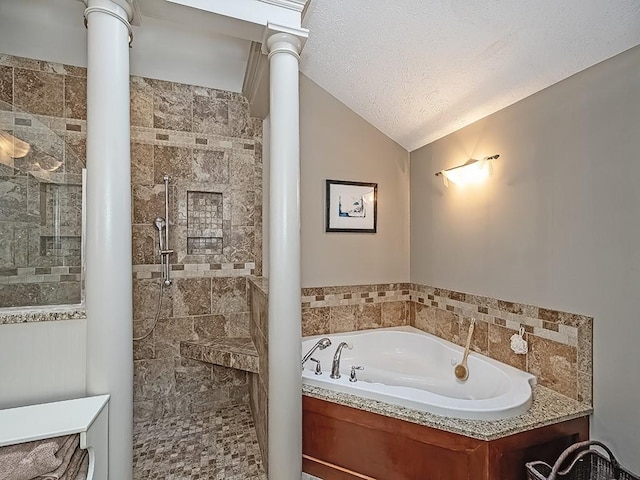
<point x="335" y="366"/>
<point x="320" y="344"/>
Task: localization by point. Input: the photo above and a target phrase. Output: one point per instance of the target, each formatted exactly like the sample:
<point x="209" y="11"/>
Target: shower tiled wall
<point x="206" y="142"/>
<point x="211" y="149"/>
<point x="259" y="383"/>
<point x="43" y="104"/>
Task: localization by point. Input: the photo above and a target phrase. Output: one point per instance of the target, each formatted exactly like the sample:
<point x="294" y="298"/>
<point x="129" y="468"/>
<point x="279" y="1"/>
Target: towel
<point x="29" y="460"/>
<point x="73" y="459"/>
<point x="58" y="458"/>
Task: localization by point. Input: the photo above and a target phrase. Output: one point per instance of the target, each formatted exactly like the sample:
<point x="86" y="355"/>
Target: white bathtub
<point x="407" y="367"/>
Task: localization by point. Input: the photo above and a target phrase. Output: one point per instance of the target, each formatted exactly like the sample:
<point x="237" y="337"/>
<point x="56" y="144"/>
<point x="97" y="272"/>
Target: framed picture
<point x="352" y="206"/>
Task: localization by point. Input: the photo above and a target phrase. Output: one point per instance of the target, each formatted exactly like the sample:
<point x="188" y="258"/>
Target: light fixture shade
<point x="472" y="172"/>
<point x="12" y="146"/>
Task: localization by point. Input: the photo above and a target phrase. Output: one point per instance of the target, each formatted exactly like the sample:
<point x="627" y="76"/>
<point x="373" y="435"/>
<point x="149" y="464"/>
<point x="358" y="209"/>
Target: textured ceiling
<point x="420" y="69"/>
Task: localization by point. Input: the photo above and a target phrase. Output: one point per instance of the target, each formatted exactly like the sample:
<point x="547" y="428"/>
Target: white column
<point x="108" y="289"/>
<point x="285" y="383"/>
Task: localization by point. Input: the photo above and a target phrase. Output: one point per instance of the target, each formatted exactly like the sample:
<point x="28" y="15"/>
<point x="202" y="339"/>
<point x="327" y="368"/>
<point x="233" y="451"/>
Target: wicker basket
<point x="588" y="464"/>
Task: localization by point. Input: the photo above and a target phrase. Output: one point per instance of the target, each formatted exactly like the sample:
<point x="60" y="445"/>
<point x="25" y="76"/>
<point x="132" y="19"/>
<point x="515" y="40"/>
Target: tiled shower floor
<point x="217" y="445"/>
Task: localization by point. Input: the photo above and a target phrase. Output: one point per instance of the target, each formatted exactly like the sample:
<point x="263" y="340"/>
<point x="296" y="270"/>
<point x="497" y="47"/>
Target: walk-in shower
<point x="162" y="225"/>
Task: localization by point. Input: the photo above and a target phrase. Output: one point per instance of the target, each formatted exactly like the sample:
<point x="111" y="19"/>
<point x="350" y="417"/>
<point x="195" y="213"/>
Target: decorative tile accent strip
<point x="563" y="329"/>
<point x="45" y="314"/>
<point x="157" y="136"/>
<point x="355" y="294"/>
<point x="191" y="270"/>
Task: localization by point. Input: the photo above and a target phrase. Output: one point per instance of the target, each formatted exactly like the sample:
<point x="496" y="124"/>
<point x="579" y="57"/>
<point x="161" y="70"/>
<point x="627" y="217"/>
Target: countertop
<point x="41" y="314"/>
<point x="548" y="408"/>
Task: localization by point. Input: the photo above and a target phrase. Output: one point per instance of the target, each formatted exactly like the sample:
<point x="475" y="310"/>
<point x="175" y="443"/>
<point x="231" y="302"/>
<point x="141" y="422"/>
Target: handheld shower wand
<point x="160" y="225"/>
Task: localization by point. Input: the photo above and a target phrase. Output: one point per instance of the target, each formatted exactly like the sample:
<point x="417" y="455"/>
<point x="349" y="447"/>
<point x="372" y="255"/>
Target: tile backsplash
<point x="337" y="309"/>
<point x="560" y="343"/>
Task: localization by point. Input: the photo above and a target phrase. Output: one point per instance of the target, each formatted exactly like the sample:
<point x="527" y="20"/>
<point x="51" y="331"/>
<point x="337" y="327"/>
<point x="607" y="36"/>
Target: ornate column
<point x="108" y="291"/>
<point x="285" y="384"/>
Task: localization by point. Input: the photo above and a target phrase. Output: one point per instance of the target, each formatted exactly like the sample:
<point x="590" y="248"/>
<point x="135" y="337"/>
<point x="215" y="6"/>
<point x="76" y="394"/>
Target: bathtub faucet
<point x="320" y="344"/>
<point x="335" y="367"/>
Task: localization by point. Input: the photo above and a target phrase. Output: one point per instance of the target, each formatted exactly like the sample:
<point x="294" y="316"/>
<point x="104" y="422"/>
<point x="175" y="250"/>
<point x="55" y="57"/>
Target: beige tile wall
<point x="560" y="343"/>
<point x="259" y="383"/>
<point x="205" y="141"/>
<point x="39" y="247"/>
<point x="338" y="309"/>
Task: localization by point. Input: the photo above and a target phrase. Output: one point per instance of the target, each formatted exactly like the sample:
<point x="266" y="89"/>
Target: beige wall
<point x="42" y="362"/>
<point x="335" y="143"/>
<point x="558" y="225"/>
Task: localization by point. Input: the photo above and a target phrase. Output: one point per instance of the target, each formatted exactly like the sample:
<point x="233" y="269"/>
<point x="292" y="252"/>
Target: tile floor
<point x="217" y="445"/>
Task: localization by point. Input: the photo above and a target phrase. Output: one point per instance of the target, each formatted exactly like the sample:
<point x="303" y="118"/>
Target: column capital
<point x="281" y="39"/>
<point x="126" y="10"/>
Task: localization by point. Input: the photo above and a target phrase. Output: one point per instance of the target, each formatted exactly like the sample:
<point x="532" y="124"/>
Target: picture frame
<point x="351" y="206"/>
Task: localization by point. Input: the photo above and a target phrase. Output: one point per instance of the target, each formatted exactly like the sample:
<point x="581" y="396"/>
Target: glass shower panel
<point x="41" y="211"/>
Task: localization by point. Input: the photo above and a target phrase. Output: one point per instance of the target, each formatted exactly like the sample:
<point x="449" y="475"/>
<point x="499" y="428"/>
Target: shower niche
<point x="204" y="223"/>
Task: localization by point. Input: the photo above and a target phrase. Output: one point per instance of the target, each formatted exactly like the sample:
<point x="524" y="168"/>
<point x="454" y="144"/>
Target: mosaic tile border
<point x="319" y="297"/>
<point x="193" y="270"/>
<point x="148" y="135"/>
<point x="561" y="327"/>
<point x="44" y="123"/>
<point x="179" y="138"/>
<point x="40" y="274"/>
<point x="535" y="320"/>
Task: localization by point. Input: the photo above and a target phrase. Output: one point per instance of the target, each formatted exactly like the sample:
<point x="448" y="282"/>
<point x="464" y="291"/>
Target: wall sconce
<point x="472" y="172"/>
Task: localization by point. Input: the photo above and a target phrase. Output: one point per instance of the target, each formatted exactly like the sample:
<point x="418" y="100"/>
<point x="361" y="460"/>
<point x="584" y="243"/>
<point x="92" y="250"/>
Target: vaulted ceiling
<point x="415" y="69"/>
<point x="420" y="69"/>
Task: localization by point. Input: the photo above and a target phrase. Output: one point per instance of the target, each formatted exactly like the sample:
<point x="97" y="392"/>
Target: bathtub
<point x="407" y="367"/>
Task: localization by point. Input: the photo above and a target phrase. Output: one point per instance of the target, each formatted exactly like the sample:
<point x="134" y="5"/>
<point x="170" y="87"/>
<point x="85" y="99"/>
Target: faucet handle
<point x="318" y="367"/>
<point x="352" y="377"/>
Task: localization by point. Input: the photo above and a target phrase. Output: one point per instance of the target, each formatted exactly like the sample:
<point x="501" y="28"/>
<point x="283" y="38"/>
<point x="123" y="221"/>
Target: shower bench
<point x="233" y="352"/>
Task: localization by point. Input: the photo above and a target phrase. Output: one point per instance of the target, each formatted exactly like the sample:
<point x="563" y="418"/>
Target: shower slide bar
<point x="162" y="224"/>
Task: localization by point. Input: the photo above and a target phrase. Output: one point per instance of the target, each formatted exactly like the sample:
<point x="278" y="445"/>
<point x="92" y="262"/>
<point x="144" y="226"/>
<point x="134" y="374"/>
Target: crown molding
<point x="256" y="82"/>
<point x="297" y="5"/>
